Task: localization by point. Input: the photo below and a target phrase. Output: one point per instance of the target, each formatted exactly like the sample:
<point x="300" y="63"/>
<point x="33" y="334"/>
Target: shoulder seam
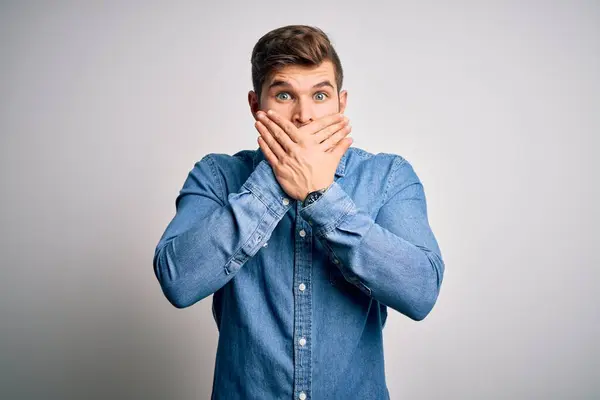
<point x="398" y="162"/>
<point x="216" y="177"/>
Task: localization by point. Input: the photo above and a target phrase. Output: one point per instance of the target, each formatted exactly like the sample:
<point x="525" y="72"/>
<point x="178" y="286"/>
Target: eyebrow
<point x="281" y="83"/>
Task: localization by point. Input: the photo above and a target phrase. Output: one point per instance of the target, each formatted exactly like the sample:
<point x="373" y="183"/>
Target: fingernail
<point x="270" y="112"/>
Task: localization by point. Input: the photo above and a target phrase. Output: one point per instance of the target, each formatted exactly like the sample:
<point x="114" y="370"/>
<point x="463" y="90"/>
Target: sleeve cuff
<point x="263" y="184"/>
<point x="324" y="214"/>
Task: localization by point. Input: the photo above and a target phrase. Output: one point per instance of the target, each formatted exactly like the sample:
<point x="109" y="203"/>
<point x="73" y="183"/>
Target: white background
<point x="104" y="108"/>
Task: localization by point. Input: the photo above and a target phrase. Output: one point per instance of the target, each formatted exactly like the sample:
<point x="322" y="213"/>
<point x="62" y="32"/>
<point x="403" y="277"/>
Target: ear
<point x="343" y="100"/>
<point x="254" y="103"/>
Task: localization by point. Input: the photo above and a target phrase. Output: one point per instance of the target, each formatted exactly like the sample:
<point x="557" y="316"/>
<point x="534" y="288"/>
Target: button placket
<point x="302" y="307"/>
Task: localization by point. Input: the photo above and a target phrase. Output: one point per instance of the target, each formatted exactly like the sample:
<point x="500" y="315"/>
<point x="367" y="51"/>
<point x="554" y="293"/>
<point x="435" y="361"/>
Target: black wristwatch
<point x="313" y="196"/>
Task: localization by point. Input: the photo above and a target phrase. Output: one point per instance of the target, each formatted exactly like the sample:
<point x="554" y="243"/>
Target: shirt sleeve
<point x="211" y="237"/>
<point x="394" y="258"/>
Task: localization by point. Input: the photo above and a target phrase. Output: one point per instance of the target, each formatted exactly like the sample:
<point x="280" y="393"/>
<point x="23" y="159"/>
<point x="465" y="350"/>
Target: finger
<point x="270" y="140"/>
<point x="332" y="140"/>
<point x="285" y="124"/>
<point x="342" y="147"/>
<point x="269" y="155"/>
<point x="276" y="132"/>
<point x="317" y="125"/>
<point x="330" y="130"/>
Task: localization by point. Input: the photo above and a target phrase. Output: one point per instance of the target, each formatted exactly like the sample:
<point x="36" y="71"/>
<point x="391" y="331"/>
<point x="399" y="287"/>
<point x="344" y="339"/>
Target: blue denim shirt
<point x="300" y="295"/>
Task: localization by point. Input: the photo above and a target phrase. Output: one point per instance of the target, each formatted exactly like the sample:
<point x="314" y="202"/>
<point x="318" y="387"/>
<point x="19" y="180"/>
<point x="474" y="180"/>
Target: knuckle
<point x="285" y="162"/>
<point x="304" y="143"/>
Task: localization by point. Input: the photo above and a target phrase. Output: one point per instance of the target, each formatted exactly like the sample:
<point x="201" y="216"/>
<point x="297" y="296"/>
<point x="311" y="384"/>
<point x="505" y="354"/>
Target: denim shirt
<point x="300" y="295"/>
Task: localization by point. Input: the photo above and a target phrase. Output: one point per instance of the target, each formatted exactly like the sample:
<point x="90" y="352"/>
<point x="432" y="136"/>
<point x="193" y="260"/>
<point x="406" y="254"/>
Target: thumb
<point x="341" y="147"/>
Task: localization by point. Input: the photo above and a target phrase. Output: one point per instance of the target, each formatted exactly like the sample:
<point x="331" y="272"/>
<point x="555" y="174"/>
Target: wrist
<point x="313" y="196"/>
<point x="313" y="190"/>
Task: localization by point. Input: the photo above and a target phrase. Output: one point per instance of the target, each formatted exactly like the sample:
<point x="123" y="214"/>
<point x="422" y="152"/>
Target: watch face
<point x="313" y="196"/>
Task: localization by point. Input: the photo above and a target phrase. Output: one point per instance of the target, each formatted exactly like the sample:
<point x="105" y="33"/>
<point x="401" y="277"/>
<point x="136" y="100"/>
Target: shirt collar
<point x="340" y="171"/>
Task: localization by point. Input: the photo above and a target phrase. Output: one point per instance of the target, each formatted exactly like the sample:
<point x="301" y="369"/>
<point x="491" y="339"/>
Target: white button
<point x="302" y="396"/>
<point x="302" y="286"/>
<point x="336" y="261"/>
<point x="265" y="245"/>
<point x="302" y="341"/>
<point x="286" y="201"/>
<point x="302" y="233"/>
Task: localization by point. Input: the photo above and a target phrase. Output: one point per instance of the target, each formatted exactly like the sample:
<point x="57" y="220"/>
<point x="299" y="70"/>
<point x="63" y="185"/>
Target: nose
<point x="303" y="114"/>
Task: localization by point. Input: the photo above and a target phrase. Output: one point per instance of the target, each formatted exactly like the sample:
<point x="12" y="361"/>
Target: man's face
<point x="300" y="93"/>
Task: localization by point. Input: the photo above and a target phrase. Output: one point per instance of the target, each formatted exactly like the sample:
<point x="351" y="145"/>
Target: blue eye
<point x="323" y="93"/>
<point x="281" y="93"/>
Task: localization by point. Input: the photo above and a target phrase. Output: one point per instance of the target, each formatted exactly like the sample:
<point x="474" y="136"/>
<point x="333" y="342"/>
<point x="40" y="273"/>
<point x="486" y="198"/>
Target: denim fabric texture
<point x="300" y="296"/>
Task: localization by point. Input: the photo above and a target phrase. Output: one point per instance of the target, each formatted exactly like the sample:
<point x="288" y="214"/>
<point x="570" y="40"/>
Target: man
<point x="303" y="242"/>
